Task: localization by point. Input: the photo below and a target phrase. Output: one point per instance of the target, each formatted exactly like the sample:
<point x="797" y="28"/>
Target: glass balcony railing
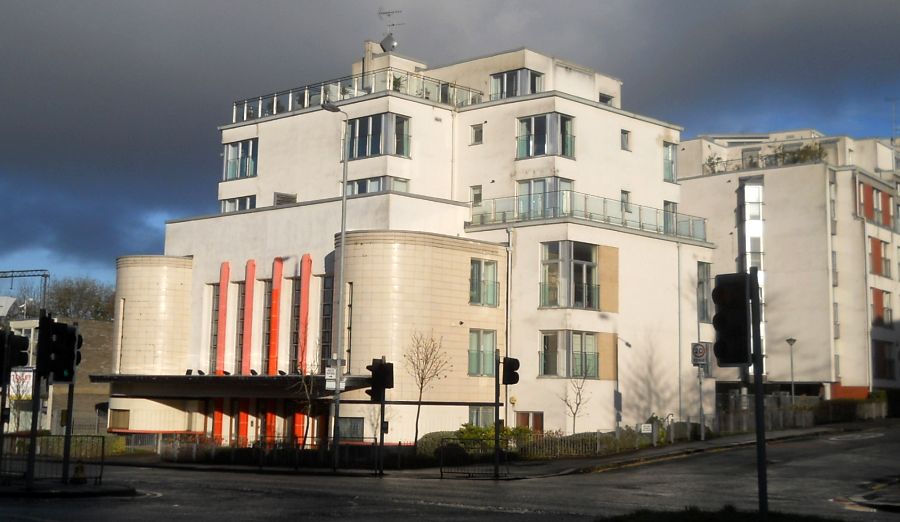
<point x="484" y="292"/>
<point x="562" y="295"/>
<point x="714" y="166"/>
<point x="570" y="204"/>
<point x="381" y="80"/>
<point x="585" y="364"/>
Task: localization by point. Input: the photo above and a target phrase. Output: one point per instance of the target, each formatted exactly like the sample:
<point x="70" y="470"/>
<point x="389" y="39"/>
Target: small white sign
<point x="331" y="373"/>
<point x="330" y="384"/>
<point x="698" y="354"/>
<point x="646" y="428"/>
<point x="21" y="384"/>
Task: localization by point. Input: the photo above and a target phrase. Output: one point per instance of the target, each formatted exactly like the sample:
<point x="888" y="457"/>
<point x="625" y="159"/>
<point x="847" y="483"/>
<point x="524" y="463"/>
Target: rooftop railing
<point x="567" y="203"/>
<point x="779" y="159"/>
<point x="381" y="80"/>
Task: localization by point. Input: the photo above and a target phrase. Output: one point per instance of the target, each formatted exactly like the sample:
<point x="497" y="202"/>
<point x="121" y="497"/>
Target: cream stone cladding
<point x="405" y="283"/>
<point x="152" y="315"/>
<point x="287" y="232"/>
<point x="559" y="75"/>
<point x="300" y="153"/>
<point x="654" y="311"/>
<point x="152" y="416"/>
<point x="599" y="167"/>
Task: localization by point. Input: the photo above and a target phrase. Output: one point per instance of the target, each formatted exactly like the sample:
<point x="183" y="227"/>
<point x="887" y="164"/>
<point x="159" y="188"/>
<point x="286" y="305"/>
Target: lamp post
<point x="336" y="434"/>
<point x="791" y="341"/>
<point x="617" y="397"/>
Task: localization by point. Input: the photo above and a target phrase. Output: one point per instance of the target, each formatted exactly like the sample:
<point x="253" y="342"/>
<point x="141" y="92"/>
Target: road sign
<point x="698" y="354"/>
<point x="331" y="373"/>
<point x="646" y="428"/>
<point x="330" y="384"/>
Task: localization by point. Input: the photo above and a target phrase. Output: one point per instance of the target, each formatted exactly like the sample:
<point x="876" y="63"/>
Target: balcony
<point x="563" y="295"/>
<point x="381" y="80"/>
<point x="570" y="204"/>
<point x="715" y="165"/>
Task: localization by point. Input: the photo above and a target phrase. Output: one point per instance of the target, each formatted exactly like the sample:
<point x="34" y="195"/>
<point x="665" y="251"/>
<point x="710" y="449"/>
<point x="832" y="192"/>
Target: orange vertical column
<point x="243" y="422"/>
<point x="303" y="330"/>
<point x="885" y="209"/>
<point x="218" y="406"/>
<point x="277" y="267"/>
<point x="249" y="284"/>
<point x="270" y="419"/>
<point x="868" y="205"/>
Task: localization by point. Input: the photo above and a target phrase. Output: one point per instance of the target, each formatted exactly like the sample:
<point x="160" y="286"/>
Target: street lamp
<point x="336" y="434"/>
<point x="617" y="397"/>
<point x="791" y="341"/>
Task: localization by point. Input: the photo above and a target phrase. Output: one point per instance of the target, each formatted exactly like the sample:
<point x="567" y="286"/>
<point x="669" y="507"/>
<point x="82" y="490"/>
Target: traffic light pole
<point x="70" y="414"/>
<point x="4" y="362"/>
<point x="759" y="399"/>
<point x="36" y="388"/>
<point x="497" y="414"/>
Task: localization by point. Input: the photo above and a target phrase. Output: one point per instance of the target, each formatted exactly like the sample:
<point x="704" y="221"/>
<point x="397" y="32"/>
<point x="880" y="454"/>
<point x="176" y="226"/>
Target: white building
<point x="818" y="216"/>
<point x="505" y="204"/>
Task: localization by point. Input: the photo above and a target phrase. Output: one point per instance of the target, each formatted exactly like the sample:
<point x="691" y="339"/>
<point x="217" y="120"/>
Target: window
<point x="885" y="365"/>
<point x="670" y="213"/>
<point x="545" y="134"/>
<point x="569" y="275"/>
<point x="881" y="308"/>
<point x="879" y="257"/>
<point x="482" y="347"/>
<point x="625" y="198"/>
<point x="237" y="204"/>
<point x="604" y="98"/>
<point x="626" y="140"/>
<point x="377" y="184"/>
<point x="214" y="328"/>
<point x="565" y="353"/>
<point x="266" y="326"/>
<point x="296" y="292"/>
<point x="519" y="82"/>
<point x="669" y="162"/>
<point x="482" y="416"/>
<point x="119" y="419"/>
<point x="704" y="292"/>
<point x="533" y="420"/>
<point x="836" y="322"/>
<point x="327" y="315"/>
<point x="475" y="194"/>
<point x="351" y="428"/>
<point x="240" y="320"/>
<point x="240" y="159"/>
<point x="483" y="286"/>
<point x="367" y="136"/>
<point x="477" y="134"/>
<point x="834" y="269"/>
<point x="544" y="197"/>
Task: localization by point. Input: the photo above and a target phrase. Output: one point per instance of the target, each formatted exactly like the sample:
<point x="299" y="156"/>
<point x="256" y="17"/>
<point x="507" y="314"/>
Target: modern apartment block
<point x="818" y="216"/>
<point x="502" y="206"/>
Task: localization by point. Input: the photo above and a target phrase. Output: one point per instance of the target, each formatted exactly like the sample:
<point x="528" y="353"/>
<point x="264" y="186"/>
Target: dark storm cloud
<point x="110" y="108"/>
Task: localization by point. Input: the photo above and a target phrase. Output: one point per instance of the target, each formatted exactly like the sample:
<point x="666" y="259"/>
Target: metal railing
<point x="86" y="457"/>
<point x="381" y="80"/>
<point x="559" y="295"/>
<point x="484" y="292"/>
<point x="713" y="166"/>
<point x="472" y="457"/>
<point x="583" y="364"/>
<point x="567" y="203"/>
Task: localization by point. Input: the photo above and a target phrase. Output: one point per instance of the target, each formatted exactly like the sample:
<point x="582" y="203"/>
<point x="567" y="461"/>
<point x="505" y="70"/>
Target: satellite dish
<point x="389" y="43"/>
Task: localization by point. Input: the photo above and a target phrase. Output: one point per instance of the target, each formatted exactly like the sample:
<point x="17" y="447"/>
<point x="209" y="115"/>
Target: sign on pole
<point x="698" y="354"/>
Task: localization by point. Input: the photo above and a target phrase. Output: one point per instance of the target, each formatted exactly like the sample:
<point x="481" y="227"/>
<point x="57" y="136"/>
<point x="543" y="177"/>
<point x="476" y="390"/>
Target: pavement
<point x="883" y="495"/>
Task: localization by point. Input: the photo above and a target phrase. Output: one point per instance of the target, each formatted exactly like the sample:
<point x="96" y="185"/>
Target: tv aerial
<point x="389" y="43"/>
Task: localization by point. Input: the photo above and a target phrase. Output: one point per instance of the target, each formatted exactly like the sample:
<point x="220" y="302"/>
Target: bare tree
<point x="576" y="401"/>
<point x="81" y="298"/>
<point x="304" y="388"/>
<point x="427" y="363"/>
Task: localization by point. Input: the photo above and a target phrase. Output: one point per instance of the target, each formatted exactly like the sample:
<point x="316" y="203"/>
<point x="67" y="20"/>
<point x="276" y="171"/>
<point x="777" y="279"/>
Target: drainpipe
<point x="509" y="249"/>
<point x="678" y="298"/>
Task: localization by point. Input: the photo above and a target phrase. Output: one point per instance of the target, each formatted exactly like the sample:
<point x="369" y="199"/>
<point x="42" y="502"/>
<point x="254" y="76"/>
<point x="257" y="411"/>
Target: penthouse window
<point x="516" y="83"/>
<point x="545" y="134"/>
<point x="377" y="184"/>
<point x="379" y="134"/>
<point x="240" y="159"/>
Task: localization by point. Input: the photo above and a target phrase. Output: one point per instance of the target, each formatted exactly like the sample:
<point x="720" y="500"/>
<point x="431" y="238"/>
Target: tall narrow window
<point x="626" y="139"/>
<point x="625" y="198"/>
<point x="240" y="321"/>
<point x="584" y="358"/>
<point x="669" y="162"/>
<point x="296" y="291"/>
<point x="266" y="326"/>
<point x="477" y="134"/>
<point x="704" y="292"/>
<point x="476" y="195"/>
<point x="482" y="347"/>
<point x="214" y="329"/>
<point x="483" y="284"/>
<point x="401" y="134"/>
<point x="327" y="315"/>
<point x="670" y="215"/>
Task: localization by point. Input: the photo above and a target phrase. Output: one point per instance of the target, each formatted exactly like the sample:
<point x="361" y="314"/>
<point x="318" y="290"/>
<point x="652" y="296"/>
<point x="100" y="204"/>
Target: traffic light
<point x="66" y="352"/>
<point x="376" y="392"/>
<point x="510" y="370"/>
<point x="18" y="350"/>
<point x="732" y="320"/>
<point x="45" y="344"/>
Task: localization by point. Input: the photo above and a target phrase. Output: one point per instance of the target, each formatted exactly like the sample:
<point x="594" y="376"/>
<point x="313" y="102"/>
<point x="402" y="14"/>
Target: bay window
<point x="545" y="134"/>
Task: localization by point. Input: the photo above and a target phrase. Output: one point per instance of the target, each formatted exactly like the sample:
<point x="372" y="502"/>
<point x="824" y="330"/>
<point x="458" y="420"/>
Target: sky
<point x="110" y="108"/>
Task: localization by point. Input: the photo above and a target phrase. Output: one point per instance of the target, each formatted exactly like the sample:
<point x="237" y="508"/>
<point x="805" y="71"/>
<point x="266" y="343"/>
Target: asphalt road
<point x="810" y="476"/>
